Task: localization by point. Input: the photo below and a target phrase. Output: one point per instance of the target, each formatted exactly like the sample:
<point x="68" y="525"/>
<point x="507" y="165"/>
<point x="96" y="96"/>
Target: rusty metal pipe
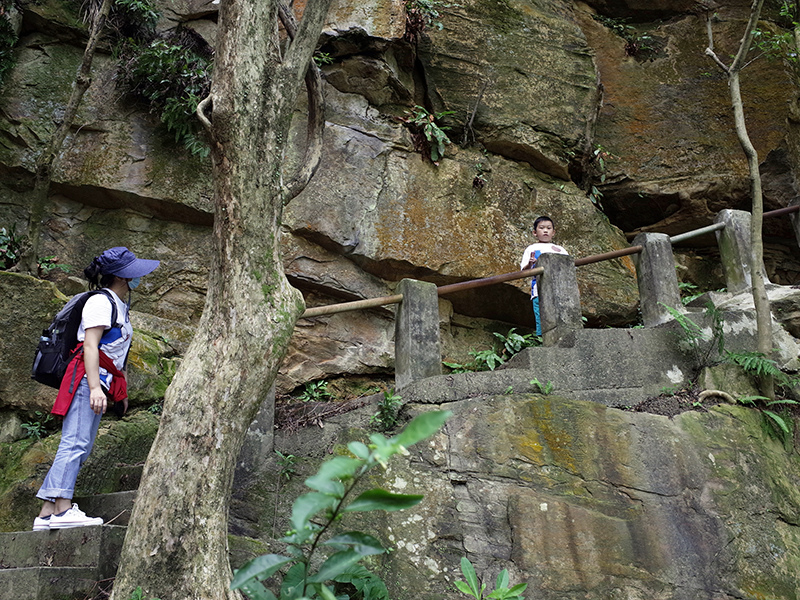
<point x="781" y="211"/>
<point x="331" y="309"/>
<point x="588" y="260"/>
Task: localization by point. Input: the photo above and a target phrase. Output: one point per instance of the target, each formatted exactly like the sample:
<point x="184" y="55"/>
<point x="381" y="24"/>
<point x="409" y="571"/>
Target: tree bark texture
<point x="760" y="298"/>
<point x="46" y="160"/>
<point x="176" y="545"/>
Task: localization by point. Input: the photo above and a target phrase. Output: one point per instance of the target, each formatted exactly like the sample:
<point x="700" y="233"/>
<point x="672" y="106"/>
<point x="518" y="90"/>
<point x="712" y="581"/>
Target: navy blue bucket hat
<point x="123" y="263"/>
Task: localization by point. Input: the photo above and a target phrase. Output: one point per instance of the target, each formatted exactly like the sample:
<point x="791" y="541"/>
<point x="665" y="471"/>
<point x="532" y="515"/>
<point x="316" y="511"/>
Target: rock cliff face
<point x="534" y="90"/>
<point x="577" y="500"/>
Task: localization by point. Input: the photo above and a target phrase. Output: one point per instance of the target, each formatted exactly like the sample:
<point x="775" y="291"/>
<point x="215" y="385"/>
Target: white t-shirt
<point x="116" y="340"/>
<point x="533" y="252"/>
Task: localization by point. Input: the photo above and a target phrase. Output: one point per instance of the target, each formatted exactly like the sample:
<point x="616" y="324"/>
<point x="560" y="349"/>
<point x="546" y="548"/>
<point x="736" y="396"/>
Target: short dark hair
<point x="543" y="218"/>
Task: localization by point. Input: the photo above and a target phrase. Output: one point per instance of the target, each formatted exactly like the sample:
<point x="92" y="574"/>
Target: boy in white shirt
<point x="544" y="231"/>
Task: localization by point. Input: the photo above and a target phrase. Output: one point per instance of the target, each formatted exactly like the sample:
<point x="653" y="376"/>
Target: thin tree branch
<point x="468" y="127"/>
<point x="715" y="58"/>
<point x="316" y="114"/>
<point x="747" y="39"/>
<point x="315" y="129"/>
<point x="201" y="109"/>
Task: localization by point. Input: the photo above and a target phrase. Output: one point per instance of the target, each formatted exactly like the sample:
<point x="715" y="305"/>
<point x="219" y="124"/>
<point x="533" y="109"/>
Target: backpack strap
<point x="114" y="312"/>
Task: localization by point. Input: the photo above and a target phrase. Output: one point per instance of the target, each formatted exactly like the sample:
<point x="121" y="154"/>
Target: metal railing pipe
<point x="588" y="260"/>
<point x="331" y="309"/>
<point x="778" y="212"/>
<point x="696" y="232"/>
<point x="476" y="283"/>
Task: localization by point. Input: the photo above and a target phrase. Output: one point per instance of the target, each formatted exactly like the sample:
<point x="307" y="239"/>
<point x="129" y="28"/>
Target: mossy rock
<point x="119" y="453"/>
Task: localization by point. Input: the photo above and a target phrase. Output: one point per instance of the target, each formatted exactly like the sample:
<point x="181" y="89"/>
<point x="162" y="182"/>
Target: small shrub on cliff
<point x="172" y="74"/>
<point x="301" y="574"/>
<point x="388" y="409"/>
<point x="421" y="14"/>
<point x="11" y="247"/>
<point x="429" y="136"/>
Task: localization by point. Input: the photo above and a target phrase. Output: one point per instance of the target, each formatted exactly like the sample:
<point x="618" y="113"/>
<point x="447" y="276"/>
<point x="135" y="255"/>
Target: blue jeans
<point x="77" y="438"/>
<point x="536" y="315"/>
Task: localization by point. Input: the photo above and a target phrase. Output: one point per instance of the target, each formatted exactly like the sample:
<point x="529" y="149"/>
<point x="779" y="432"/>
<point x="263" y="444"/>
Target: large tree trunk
<point x="176" y="546"/>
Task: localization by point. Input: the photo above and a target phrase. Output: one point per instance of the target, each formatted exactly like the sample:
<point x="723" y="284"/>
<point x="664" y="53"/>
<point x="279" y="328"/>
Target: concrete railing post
<point x="417" y="352"/>
<point x="655" y="274"/>
<point x="559" y="298"/>
<point x="735" y="249"/>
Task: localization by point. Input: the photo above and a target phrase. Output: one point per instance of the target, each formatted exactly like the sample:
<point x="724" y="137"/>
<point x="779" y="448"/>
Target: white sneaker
<point x="73" y="517"/>
<point x="41" y="523"/>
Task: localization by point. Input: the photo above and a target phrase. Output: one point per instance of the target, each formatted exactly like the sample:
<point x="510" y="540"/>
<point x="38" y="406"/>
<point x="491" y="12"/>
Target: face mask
<point x="134" y="283"/>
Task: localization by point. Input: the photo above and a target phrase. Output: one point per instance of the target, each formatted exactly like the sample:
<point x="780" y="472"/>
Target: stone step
<point x="74" y="547"/>
<point x="60" y="563"/>
<point x="47" y="583"/>
<point x="115" y="509"/>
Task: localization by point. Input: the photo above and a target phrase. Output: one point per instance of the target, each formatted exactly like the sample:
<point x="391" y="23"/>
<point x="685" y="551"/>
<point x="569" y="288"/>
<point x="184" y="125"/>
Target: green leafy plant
<point x="172" y="76"/>
<point x="315" y="391"/>
<point x="542" y="388"/>
<point x="688" y="292"/>
<point x="313" y="515"/>
<point x="421" y="14"/>
<point x="424" y="123"/>
<point x="775" y="425"/>
<point x="513" y="342"/>
<point x="322" y="58"/>
<point x="693" y="337"/>
<point x="755" y="363"/>
<point x="11" y="247"/>
<point x="286" y="464"/>
<point x="48" y="264"/>
<point x="138" y="594"/>
<point x="778" y="42"/>
<point x="779" y="425"/>
<point x="37" y="428"/>
<point x="388" y="409"/>
<point x="472" y="586"/>
<point x="139" y="14"/>
<point x="488" y="360"/>
<point x="636" y="44"/>
<point x="480" y="178"/>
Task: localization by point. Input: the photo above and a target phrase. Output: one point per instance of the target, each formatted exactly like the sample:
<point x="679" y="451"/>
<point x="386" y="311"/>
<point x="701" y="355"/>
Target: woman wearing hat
<point x="98" y="369"/>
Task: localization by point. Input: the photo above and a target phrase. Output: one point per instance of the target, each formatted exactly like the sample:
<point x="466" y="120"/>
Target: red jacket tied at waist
<point x="117" y="391"/>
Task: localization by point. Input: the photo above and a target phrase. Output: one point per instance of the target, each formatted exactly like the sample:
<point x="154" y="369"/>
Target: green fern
<point x="756" y="363"/>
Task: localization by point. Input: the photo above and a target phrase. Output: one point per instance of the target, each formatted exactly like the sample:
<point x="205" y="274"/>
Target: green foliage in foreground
<point x="299" y="574"/>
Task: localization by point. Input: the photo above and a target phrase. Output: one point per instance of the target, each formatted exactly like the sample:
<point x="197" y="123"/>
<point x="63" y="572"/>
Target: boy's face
<point x="544" y="232"/>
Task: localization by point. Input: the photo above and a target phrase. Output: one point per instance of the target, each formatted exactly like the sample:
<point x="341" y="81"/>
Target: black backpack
<point x="57" y="345"/>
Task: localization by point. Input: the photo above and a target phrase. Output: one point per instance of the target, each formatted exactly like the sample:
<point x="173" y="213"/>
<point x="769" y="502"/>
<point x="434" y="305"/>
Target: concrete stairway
<point x="66" y="564"/>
